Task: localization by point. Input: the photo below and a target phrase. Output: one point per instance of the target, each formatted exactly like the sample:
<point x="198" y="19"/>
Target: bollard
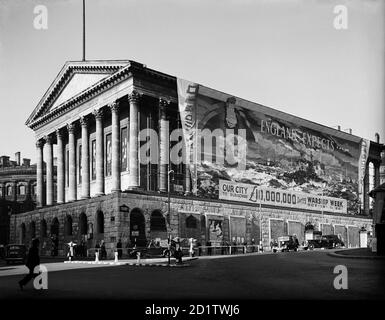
<point x="96" y="256"/>
<point x="138" y="257"/>
<point x="116" y="256"/>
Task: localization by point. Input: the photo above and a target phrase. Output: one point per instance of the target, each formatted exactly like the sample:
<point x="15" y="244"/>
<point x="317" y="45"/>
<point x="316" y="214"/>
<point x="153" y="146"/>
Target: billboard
<point x="281" y="151"/>
<point x="235" y="191"/>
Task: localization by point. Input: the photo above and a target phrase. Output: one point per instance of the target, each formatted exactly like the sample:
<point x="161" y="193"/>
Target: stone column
<point x="2" y="186"/>
<point x="85" y="159"/>
<point x="366" y="190"/>
<point x="376" y="165"/>
<point x="60" y="168"/>
<point x="99" y="152"/>
<point x="134" y="152"/>
<point x="71" y="162"/>
<point x="39" y="174"/>
<point x="115" y="137"/>
<point x="14" y="189"/>
<point x="49" y="170"/>
<point x="164" y="146"/>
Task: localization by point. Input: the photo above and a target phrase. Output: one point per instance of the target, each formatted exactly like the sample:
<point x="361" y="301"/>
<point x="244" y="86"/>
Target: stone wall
<point x="268" y="221"/>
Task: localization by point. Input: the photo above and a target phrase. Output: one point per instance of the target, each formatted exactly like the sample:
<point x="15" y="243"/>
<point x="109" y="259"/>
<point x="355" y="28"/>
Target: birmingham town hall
<point x="298" y="174"/>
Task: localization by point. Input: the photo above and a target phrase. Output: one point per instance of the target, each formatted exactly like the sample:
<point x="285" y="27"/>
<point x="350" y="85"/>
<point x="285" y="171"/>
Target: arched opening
<point x="43" y="228"/>
<point x="83" y="224"/>
<point x="99" y="222"/>
<point x="158" y="226"/>
<point x="137" y="228"/>
<point x="68" y="226"/>
<point x="9" y="190"/>
<point x="55" y="236"/>
<point x="22" y="190"/>
<point x="22" y="233"/>
<point x="192" y="230"/>
<point x="203" y="229"/>
<point x="32" y="230"/>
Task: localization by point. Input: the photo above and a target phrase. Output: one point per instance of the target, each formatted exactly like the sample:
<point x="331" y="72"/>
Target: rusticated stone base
<point x="203" y="220"/>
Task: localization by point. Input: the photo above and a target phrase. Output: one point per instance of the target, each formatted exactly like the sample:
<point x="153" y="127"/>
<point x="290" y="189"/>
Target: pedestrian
<point x="208" y="244"/>
<point x="103" y="251"/>
<point x="97" y="249"/>
<point x="252" y="245"/>
<point x="33" y="260"/>
<point x="199" y="248"/>
<point x="119" y="247"/>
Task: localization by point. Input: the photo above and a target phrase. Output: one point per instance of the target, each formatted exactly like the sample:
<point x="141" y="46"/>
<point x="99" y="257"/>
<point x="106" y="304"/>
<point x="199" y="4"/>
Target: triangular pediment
<point x="73" y="79"/>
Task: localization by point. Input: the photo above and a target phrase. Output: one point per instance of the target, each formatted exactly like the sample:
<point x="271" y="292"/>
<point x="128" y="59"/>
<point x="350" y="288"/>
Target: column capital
<point x="114" y="106"/>
<point x="84" y="121"/>
<point x="134" y="96"/>
<point x="163" y="102"/>
<point x="39" y="143"/>
<point x="71" y="127"/>
<point x="59" y="133"/>
<point x="98" y="113"/>
<point x="48" y="139"/>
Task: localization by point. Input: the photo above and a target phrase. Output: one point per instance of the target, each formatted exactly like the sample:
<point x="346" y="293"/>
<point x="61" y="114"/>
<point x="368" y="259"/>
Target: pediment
<point x="72" y="80"/>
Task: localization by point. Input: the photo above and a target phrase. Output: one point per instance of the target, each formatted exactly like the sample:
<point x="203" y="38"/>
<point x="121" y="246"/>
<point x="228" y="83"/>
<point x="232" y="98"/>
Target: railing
<point x="153" y="252"/>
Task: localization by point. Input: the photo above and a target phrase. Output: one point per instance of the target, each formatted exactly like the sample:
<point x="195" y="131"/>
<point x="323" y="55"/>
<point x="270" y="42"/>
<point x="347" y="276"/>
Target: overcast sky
<point x="285" y="54"/>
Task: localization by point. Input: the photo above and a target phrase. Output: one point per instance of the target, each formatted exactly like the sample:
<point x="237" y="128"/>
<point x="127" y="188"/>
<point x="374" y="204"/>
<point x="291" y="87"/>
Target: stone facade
<point x="121" y="211"/>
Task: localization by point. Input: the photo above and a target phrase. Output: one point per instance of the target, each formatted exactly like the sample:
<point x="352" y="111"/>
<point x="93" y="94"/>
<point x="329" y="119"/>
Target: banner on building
<point x="364" y="154"/>
<point x="242" y="192"/>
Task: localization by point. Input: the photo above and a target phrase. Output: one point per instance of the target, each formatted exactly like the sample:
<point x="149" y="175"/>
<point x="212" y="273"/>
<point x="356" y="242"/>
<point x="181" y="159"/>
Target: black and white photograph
<point x="183" y="159"/>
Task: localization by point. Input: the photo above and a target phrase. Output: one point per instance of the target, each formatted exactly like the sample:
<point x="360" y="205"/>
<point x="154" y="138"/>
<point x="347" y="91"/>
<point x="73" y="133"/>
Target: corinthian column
<point x="163" y="146"/>
<point x="49" y="170"/>
<point x="134" y="152"/>
<point x="99" y="152"/>
<point x="85" y="159"/>
<point x="60" y="167"/>
<point x="72" y="162"/>
<point x="39" y="174"/>
<point x="115" y="137"/>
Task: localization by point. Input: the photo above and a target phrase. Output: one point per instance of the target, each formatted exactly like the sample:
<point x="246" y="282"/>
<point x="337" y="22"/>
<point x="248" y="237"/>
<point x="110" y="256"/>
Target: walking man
<point x="33" y="260"/>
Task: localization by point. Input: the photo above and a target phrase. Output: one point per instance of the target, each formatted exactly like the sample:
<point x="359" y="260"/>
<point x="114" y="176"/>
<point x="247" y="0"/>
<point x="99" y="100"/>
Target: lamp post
<point x="169" y="213"/>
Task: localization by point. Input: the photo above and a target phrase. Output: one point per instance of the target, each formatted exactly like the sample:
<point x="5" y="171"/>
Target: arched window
<point x="55" y="227"/>
<point x="34" y="190"/>
<point x="68" y="226"/>
<point x="32" y="229"/>
<point x="99" y="222"/>
<point x="191" y="222"/>
<point x="43" y="228"/>
<point x="157" y="221"/>
<point x="9" y="190"/>
<point x="22" y="190"/>
<point x="22" y="233"/>
<point x="83" y="224"/>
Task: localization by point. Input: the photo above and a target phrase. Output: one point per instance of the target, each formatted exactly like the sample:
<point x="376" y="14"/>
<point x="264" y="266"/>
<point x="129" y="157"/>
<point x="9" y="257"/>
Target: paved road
<point x="294" y="275"/>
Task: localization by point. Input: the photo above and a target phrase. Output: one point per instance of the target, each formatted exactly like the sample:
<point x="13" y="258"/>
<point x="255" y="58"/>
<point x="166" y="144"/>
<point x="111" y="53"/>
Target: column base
<point x="99" y="194"/>
<point x="133" y="188"/>
<point x="116" y="190"/>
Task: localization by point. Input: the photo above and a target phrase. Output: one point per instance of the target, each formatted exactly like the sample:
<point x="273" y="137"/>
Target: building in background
<point x="265" y="173"/>
<point x="17" y="191"/>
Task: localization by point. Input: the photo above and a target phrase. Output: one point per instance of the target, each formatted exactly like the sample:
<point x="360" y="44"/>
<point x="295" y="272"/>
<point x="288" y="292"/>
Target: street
<point x="293" y="275"/>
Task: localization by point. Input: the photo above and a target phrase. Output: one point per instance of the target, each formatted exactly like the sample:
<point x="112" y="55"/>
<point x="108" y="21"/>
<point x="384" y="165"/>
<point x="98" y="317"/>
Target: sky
<point x="285" y="54"/>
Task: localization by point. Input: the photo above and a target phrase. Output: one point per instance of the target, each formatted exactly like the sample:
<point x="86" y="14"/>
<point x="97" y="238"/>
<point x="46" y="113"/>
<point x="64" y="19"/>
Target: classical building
<point x="17" y="191"/>
<point x="102" y="114"/>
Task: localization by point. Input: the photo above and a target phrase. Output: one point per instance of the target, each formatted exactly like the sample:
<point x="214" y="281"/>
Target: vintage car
<point x="286" y="243"/>
<point x="326" y="242"/>
<point x="15" y="253"/>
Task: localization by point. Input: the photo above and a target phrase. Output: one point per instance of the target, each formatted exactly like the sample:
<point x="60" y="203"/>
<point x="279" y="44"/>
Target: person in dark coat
<point x="119" y="247"/>
<point x="33" y="260"/>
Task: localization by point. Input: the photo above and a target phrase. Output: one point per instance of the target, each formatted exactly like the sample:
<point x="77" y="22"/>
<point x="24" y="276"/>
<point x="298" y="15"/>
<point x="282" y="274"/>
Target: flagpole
<point x="84" y="31"/>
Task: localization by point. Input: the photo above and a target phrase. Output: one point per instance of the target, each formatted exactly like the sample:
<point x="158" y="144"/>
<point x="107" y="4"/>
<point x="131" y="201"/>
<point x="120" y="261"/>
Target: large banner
<point x="281" y="151"/>
<point x="249" y="193"/>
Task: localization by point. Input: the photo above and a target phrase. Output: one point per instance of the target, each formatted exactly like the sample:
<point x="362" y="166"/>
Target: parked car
<point x="326" y="242"/>
<point x="15" y="253"/>
<point x="286" y="243"/>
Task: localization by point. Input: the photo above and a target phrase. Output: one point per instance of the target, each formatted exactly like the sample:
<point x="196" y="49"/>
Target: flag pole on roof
<point x="84" y="30"/>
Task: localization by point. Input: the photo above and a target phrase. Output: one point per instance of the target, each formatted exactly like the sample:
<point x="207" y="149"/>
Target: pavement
<point x="307" y="275"/>
<point x="357" y="253"/>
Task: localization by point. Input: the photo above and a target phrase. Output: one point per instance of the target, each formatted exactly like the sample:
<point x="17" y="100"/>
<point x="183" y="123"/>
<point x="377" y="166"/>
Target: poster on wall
<point x="80" y="164"/>
<point x="215" y="231"/>
<point x="108" y="155"/>
<point x="123" y="150"/>
<point x="282" y="151"/>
